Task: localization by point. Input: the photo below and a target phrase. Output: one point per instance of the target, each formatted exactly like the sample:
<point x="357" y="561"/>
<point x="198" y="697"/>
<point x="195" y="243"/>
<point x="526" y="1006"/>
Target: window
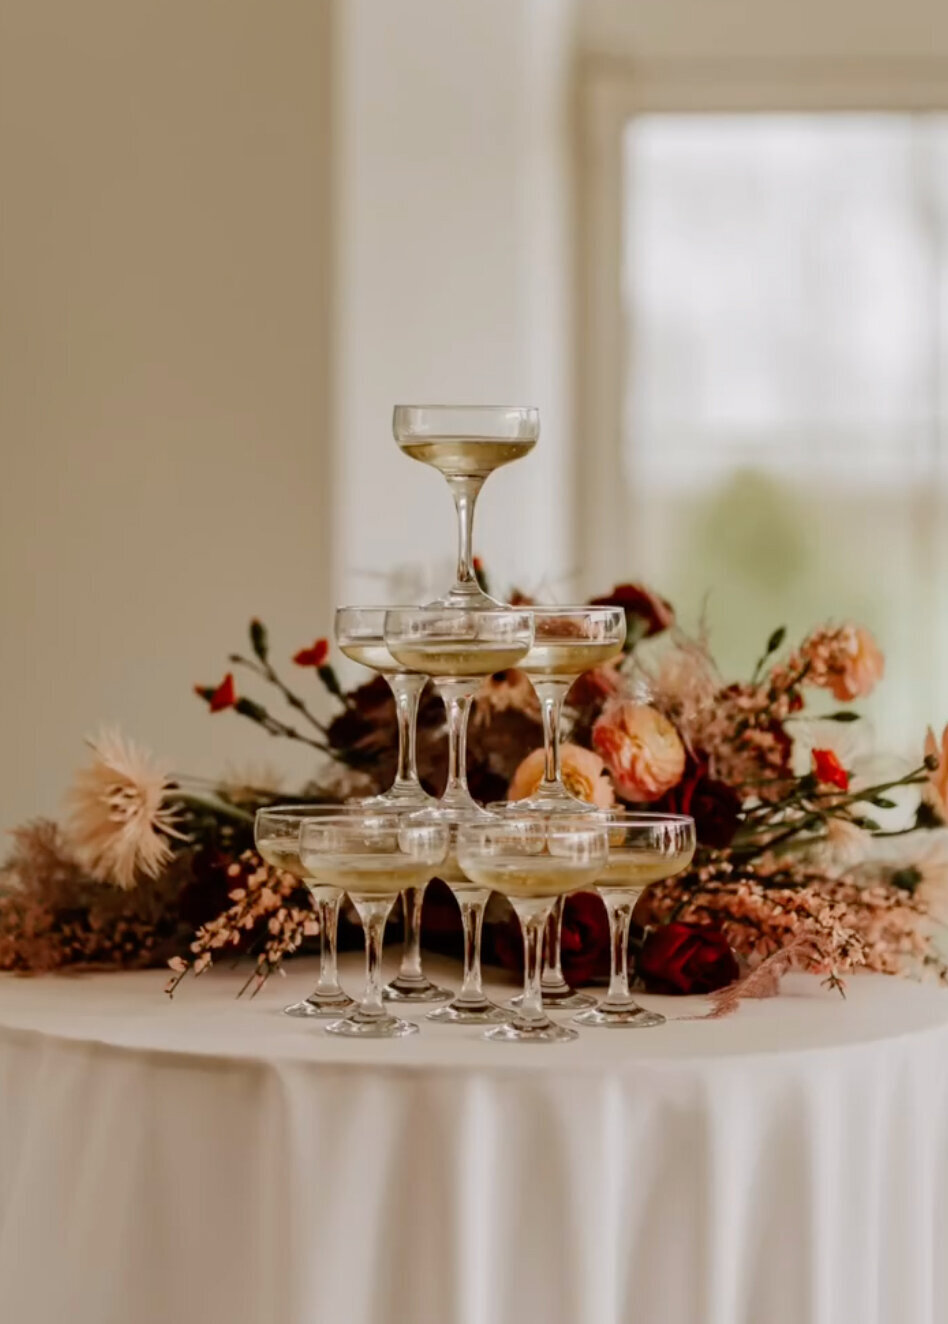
<point x="785" y="382"/>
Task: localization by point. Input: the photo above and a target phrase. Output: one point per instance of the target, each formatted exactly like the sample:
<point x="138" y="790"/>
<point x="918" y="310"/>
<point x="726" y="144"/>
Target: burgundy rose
<point x="686" y="958"/>
<point x="585" y="944"/>
<point x="715" y="806"/>
<point x="646" y="613"/>
<point x="716" y="809"/>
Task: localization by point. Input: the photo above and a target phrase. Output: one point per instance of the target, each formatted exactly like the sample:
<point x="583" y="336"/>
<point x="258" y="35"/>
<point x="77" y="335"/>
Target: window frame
<point x="613" y="91"/>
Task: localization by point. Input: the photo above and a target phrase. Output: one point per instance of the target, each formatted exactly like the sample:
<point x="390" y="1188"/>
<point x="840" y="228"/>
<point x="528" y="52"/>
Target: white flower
<point x="846" y="845"/>
<point x="120" y="820"/>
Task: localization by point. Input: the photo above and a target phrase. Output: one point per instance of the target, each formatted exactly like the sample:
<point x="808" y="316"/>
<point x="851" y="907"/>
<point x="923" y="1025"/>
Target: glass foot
<point x="631" y="1015"/>
<point x="469" y="597"/>
<point x="360" y="1025"/>
<point x="404" y="988"/>
<point x="551" y="798"/>
<point x="397" y="797"/>
<point x="555" y="1000"/>
<point x="468" y="1013"/>
<point x="525" y="1032"/>
<point x="320" y="1005"/>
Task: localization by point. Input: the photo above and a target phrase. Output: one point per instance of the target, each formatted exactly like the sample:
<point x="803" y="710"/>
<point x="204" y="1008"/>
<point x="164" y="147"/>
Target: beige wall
<point x="842" y="31"/>
<point x="164" y="341"/>
<point x="454" y="262"/>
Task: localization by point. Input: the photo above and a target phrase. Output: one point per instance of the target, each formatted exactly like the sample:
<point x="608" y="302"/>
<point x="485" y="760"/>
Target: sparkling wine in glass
<point x="568" y="641"/>
<point x="470" y="1006"/>
<point x="532" y="860"/>
<point x="458" y="648"/>
<point x="277" y="838"/>
<point x="361" y="636"/>
<point x="643" y="849"/>
<point x="466" y="443"/>
<point x="373" y="854"/>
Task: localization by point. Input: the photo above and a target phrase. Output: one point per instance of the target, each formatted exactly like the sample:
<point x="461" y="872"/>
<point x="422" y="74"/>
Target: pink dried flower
<point x="846" y="660"/>
<point x="263" y="899"/>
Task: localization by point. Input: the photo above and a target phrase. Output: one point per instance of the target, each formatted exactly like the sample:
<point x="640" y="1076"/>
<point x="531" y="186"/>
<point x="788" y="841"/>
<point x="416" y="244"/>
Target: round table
<point x="208" y="1159"/>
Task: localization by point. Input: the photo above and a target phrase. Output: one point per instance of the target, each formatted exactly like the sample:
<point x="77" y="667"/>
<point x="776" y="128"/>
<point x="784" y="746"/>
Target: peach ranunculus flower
<point x="642" y="750"/>
<point x="584" y="775"/>
<point x="846" y="660"/>
<point x="937" y="789"/>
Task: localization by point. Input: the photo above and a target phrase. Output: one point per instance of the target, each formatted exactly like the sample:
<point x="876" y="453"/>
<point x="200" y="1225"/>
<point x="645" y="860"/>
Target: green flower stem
<point x="275" y="727"/>
<point x="217" y="806"/>
<point x="267" y="672"/>
<point x="817" y="815"/>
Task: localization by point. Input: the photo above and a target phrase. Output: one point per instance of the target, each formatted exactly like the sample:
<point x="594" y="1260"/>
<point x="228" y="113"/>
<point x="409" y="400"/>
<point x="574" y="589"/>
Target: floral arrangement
<point x="802" y="862"/>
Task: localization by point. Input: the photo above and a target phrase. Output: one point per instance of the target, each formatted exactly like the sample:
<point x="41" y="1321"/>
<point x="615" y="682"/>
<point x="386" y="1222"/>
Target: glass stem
<point x="465" y="490"/>
<point x="373" y="915"/>
<point x="472" y="922"/>
<point x="406" y="688"/>
<point x="552" y="694"/>
<point x="619" y="907"/>
<point x="457" y="696"/>
<point x="553" y="945"/>
<point x="533" y="918"/>
<point x="328" y="914"/>
<point x="412" y="899"/>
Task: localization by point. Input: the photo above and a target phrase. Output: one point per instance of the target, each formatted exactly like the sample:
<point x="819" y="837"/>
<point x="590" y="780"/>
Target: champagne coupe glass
<point x="643" y="848"/>
<point x="458" y="648"/>
<point x="276" y="833"/>
<point x="466" y="443"/>
<point x="373" y="855"/>
<point x="361" y="636"/>
<point x="568" y="641"/>
<point x="532" y="859"/>
<point x="471" y="1006"/>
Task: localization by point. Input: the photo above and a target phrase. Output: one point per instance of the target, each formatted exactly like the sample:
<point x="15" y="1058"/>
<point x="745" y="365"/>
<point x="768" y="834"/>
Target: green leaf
<point x="775" y="640"/>
<point x="842" y="716"/>
<point x="247" y="708"/>
<point x="328" y="676"/>
<point x="883" y="802"/>
<point x="258" y="639"/>
<point x="869" y="824"/>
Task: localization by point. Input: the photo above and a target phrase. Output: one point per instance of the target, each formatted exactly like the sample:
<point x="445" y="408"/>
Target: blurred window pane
<point x="784" y="450"/>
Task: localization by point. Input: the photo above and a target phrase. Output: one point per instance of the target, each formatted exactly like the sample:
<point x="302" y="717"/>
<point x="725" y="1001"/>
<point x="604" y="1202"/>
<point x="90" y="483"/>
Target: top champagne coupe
<point x="466" y="443"/>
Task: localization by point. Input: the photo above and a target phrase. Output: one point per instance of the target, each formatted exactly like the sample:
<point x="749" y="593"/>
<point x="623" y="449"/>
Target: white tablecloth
<point x="209" y="1160"/>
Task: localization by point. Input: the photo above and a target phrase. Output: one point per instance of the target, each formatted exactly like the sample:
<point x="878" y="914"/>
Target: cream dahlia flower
<point x="120" y="821"/>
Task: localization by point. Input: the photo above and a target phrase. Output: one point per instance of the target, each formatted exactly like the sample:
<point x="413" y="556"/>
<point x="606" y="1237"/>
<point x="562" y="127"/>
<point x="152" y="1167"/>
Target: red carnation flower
<point x="225" y="696"/>
<point x="686" y="958"/>
<point x="829" y="770"/>
<point x="314" y="656"/>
